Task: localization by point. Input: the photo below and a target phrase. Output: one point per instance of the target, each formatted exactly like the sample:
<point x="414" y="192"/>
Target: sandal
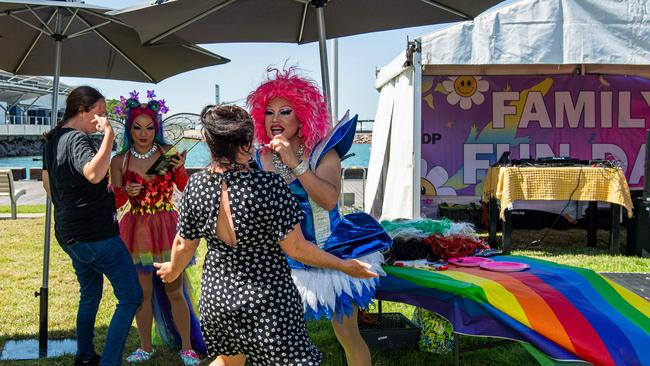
<point x="140" y="355"/>
<point x="189" y="357"/>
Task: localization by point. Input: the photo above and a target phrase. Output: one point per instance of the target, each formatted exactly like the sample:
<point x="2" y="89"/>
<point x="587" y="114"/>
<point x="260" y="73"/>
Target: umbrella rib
<point x="104" y="17"/>
<point x="204" y="52"/>
<point x="41" y="20"/>
<point x="18" y="11"/>
<point x="302" y="22"/>
<point x="74" y="14"/>
<point x="87" y="30"/>
<point x="448" y="9"/>
<point x="190" y="21"/>
<point x="91" y="28"/>
<point x="31" y="25"/>
<point x="114" y="47"/>
<point x="31" y="47"/>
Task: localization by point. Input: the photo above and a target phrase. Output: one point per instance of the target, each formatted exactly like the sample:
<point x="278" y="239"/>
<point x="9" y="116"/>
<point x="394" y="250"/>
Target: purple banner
<point x="469" y="121"/>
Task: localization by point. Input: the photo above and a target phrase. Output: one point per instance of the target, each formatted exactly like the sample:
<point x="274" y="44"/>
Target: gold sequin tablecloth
<point x="509" y="184"/>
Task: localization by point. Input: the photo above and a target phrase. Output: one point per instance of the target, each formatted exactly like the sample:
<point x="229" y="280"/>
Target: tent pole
<point x="417" y="126"/>
<point x="43" y="293"/>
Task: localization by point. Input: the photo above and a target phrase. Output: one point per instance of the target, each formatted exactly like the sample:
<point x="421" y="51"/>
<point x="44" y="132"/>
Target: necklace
<point x="146" y="155"/>
<point x="280" y="168"/>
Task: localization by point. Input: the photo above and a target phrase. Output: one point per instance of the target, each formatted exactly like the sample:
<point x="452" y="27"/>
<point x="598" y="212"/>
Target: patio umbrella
<point x="61" y="38"/>
<point x="293" y="21"/>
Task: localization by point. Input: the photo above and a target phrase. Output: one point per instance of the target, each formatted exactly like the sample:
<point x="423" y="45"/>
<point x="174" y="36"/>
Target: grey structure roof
<point x="17" y="89"/>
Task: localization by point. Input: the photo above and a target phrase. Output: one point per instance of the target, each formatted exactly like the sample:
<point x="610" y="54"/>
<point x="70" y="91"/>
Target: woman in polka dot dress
<point x="250" y="306"/>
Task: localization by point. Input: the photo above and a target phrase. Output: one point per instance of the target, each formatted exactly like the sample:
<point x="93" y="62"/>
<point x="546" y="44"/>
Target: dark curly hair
<point x="227" y="128"/>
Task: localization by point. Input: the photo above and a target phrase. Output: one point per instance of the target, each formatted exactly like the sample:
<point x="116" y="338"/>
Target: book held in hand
<point x="163" y="164"/>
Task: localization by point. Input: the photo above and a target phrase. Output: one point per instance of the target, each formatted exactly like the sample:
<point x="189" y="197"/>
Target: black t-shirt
<point x="83" y="211"/>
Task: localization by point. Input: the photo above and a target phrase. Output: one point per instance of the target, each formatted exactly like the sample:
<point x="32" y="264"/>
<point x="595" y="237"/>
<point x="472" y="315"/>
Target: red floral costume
<point x="149" y="227"/>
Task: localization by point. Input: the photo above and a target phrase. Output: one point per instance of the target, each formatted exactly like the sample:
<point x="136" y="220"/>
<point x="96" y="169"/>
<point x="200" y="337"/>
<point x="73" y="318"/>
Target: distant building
<point x="26" y="102"/>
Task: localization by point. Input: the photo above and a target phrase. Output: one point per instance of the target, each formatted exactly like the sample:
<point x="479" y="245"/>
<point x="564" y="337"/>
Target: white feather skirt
<point x="326" y="292"/>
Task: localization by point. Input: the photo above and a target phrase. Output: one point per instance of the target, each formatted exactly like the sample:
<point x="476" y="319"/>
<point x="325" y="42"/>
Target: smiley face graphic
<point x="465" y="86"/>
<point x="432" y="182"/>
<point x="427" y="188"/>
<point x="465" y="90"/>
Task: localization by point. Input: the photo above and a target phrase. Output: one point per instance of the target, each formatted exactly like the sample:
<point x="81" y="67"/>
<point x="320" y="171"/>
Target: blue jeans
<point x="92" y="260"/>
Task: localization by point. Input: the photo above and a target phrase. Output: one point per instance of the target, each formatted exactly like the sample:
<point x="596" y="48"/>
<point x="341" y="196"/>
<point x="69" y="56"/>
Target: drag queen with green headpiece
<point x="148" y="229"/>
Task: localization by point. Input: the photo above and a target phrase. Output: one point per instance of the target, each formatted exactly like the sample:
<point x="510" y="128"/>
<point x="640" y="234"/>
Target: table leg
<point x="591" y="218"/>
<point x="507" y="231"/>
<point x="493" y="214"/>
<point x="456" y="350"/>
<point x="615" y="230"/>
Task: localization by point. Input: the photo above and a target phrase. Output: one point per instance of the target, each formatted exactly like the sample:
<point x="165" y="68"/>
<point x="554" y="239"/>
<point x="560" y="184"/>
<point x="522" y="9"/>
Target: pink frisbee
<point x="469" y="261"/>
<point x="504" y="266"/>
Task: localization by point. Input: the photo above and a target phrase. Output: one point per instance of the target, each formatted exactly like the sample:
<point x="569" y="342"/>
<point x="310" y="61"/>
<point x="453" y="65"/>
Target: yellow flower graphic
<point x="466" y="90"/>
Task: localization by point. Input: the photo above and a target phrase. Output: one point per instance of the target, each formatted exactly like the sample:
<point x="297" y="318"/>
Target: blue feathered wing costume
<point x="354" y="236"/>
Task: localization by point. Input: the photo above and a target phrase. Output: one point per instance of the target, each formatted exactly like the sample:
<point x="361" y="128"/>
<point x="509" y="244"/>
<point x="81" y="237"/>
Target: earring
<point x="300" y="130"/>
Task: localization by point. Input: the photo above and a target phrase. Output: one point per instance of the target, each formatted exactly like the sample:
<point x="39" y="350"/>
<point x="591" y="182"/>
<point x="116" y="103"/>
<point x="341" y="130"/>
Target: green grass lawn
<point x="23" y="209"/>
<point x="21" y="272"/>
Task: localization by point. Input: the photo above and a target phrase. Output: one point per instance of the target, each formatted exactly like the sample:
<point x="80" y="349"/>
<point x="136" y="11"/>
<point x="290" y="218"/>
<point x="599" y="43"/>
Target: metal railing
<point x="31" y="130"/>
<point x="28" y="120"/>
<point x="365" y="125"/>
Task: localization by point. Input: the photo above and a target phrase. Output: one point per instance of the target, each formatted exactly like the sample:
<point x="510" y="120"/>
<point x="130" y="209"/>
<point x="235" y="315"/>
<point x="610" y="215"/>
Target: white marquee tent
<point x="530" y="37"/>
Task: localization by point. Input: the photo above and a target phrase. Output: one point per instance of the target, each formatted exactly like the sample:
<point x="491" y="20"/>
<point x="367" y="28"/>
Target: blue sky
<point x="359" y="57"/>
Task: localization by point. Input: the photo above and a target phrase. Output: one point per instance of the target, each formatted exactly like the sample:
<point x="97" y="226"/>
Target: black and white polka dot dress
<point x="249" y="303"/>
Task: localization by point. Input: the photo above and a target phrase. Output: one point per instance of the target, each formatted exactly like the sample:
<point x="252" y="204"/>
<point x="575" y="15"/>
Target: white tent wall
<point x="394" y="136"/>
<point x="547" y="32"/>
<point x="373" y="196"/>
<point x="530" y="37"/>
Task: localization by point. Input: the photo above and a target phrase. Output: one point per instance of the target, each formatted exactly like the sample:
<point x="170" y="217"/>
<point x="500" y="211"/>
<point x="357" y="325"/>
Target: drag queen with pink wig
<point x="293" y="128"/>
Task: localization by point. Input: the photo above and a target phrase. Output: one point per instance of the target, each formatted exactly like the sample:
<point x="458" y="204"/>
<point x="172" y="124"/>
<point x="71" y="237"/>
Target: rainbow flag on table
<point x="568" y="313"/>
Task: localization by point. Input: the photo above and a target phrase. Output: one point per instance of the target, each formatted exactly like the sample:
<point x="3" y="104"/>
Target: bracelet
<point x="300" y="169"/>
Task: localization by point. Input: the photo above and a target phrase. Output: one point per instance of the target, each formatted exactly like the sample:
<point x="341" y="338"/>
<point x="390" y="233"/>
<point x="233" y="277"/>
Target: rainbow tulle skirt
<point x="149" y="237"/>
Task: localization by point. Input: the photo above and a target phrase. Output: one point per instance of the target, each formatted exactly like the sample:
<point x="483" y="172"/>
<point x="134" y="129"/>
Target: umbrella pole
<point x="43" y="293"/>
<point x="335" y="80"/>
<point x="322" y="46"/>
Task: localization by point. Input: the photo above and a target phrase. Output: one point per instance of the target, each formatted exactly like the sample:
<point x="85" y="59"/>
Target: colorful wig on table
<point x="131" y="108"/>
<point x="303" y="95"/>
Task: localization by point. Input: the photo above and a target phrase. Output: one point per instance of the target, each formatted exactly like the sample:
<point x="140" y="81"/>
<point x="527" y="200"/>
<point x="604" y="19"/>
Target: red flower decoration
<point x="156" y="196"/>
<point x="453" y="246"/>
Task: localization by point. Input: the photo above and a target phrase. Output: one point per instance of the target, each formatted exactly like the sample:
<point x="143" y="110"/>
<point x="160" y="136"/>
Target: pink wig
<point x="304" y="97"/>
<point x="143" y="109"/>
<point x="131" y="115"/>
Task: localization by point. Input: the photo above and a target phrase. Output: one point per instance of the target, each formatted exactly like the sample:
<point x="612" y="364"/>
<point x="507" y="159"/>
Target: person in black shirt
<point x="75" y="177"/>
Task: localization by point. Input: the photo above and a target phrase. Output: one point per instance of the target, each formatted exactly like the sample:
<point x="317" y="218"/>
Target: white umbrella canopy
<point x="59" y="38"/>
<point x="292" y="21"/>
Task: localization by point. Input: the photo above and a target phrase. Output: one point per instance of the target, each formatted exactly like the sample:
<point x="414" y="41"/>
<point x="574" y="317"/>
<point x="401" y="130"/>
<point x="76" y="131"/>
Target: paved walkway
<point x="7" y="216"/>
<point x="34" y="195"/>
